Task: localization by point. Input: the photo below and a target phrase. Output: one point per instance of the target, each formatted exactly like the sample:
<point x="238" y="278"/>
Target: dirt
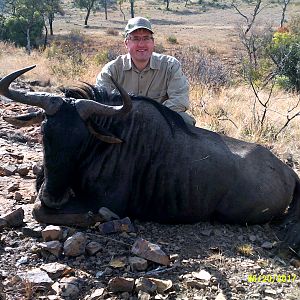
<point x="230" y="254"/>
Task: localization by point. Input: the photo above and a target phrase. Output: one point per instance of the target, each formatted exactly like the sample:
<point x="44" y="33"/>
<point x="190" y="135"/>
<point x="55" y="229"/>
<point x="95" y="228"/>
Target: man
<point x="143" y="72"/>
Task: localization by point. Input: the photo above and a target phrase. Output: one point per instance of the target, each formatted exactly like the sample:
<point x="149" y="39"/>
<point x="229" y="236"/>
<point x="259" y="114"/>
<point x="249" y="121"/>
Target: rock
<point x="196" y="284"/>
<point x="36" y="169"/>
<point x="23" y="260"/>
<point x="14" y="218"/>
<point x="56" y="270"/>
<point x="267" y="245"/>
<point x="143" y="296"/>
<point x="107" y="214"/>
<point x="52" y="233"/>
<point x="123" y="225"/>
<point x="37" y="278"/>
<point x="54" y="247"/>
<point x="220" y="296"/>
<point x="97" y="294"/>
<point x="146" y="285"/>
<point x="23" y="169"/>
<point x="75" y="245"/>
<point x="202" y="275"/>
<point x="118" y="262"/>
<point x="69" y="287"/>
<point x="34" y="231"/>
<point x="137" y="263"/>
<point x="18" y="196"/>
<point x="162" y="285"/>
<point x="92" y="248"/>
<point x="120" y="284"/>
<point x="150" y="251"/>
<point x="8" y="170"/>
<point x="294" y="262"/>
<point x="270" y="292"/>
<point x="206" y="232"/>
<point x="13" y="187"/>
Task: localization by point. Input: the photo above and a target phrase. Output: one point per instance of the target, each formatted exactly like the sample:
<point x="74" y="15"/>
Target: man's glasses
<point x="137" y="39"/>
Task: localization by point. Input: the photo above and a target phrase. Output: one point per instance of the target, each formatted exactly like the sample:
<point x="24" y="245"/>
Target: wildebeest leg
<point x="74" y="213"/>
<point x="292" y="237"/>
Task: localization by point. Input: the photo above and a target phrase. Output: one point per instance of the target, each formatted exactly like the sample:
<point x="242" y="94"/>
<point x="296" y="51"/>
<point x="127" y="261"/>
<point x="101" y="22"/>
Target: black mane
<point x="88" y="91"/>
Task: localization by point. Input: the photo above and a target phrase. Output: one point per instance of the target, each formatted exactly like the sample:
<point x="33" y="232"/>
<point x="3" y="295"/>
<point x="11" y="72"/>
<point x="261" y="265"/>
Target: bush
<point x="172" y="39"/>
<point x="14" y="30"/>
<point x="204" y="68"/>
<point x="284" y="51"/>
<point x="69" y="54"/>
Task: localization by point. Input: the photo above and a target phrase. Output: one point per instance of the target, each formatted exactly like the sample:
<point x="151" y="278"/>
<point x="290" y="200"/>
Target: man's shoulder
<point x="164" y="58"/>
<point x="119" y="62"/>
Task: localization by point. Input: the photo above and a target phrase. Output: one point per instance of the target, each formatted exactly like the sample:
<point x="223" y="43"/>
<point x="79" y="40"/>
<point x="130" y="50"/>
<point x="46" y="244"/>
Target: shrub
<point x="69" y="54"/>
<point x="14" y="30"/>
<point x="204" y="68"/>
<point x="112" y="31"/>
<point x="284" y="51"/>
<point x="172" y="39"/>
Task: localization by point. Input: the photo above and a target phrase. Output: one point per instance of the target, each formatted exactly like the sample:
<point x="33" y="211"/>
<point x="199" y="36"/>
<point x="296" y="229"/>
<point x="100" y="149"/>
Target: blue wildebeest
<point x="140" y="159"/>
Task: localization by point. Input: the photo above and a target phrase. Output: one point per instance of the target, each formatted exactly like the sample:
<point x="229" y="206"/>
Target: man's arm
<point x="103" y="78"/>
<point x="177" y="90"/>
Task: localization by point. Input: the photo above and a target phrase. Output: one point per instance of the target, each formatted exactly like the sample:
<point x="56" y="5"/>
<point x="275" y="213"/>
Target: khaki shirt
<point x="162" y="80"/>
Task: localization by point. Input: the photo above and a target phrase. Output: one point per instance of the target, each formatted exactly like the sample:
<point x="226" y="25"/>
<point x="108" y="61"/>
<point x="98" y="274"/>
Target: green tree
<point x="284" y="51"/>
<point x="24" y="23"/>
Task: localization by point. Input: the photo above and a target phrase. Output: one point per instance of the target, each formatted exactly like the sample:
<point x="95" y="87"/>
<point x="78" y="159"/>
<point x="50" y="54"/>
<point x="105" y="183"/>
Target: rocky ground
<point x="123" y="259"/>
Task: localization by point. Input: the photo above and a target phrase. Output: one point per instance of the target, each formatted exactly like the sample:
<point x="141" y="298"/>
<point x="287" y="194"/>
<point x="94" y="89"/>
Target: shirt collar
<point x="154" y="62"/>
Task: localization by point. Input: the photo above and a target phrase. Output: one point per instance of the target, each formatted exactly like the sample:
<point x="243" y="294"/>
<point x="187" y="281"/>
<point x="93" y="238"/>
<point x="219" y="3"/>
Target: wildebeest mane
<point x="88" y="91"/>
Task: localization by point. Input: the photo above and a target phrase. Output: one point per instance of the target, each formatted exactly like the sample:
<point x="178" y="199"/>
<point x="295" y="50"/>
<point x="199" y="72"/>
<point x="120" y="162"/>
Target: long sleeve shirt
<point x="162" y="80"/>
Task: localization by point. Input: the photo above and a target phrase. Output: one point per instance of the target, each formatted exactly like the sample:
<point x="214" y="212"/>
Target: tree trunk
<point x="50" y="20"/>
<point x="132" y="8"/>
<point x="120" y="6"/>
<point x="168" y="4"/>
<point x="87" y="16"/>
<point x="28" y="46"/>
<point x="105" y="9"/>
<point x="46" y="37"/>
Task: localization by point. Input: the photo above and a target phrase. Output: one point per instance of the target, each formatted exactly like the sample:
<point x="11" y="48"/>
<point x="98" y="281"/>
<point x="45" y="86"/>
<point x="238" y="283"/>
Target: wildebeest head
<point x="67" y="126"/>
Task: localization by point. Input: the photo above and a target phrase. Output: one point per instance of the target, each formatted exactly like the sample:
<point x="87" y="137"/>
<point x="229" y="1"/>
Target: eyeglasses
<point x="137" y="39"/>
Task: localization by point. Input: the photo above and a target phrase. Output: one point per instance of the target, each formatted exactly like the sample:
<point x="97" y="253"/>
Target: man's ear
<point x="125" y="43"/>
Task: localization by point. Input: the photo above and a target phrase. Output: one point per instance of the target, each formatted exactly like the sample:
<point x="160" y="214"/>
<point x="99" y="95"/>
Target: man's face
<point x="140" y="45"/>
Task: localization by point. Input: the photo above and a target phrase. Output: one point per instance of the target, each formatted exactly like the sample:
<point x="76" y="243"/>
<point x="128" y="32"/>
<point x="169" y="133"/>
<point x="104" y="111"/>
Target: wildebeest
<point x="140" y="159"/>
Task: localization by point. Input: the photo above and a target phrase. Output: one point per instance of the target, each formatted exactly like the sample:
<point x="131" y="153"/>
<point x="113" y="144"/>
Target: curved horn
<point x="86" y="108"/>
<point x="50" y="103"/>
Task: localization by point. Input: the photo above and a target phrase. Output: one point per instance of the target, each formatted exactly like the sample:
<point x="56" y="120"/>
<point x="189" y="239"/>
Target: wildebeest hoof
<point x="45" y="215"/>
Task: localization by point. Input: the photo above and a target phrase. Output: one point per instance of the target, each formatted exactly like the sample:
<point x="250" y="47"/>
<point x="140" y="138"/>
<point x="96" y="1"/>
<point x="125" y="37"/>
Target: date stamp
<point x="271" y="278"/>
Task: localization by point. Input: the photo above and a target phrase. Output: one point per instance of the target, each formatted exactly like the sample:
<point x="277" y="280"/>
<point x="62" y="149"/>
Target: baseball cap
<point x="137" y="23"/>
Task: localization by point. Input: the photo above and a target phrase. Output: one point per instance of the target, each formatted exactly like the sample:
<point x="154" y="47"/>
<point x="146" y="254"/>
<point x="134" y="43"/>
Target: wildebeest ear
<point x="101" y="134"/>
<point x="26" y="119"/>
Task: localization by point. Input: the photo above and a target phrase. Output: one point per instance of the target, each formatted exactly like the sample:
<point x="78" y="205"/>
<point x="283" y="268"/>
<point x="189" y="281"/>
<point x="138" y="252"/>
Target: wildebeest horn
<point x="50" y="103"/>
<point x="86" y="108"/>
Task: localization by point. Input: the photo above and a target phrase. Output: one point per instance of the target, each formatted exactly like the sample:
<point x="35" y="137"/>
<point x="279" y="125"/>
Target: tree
<point x="89" y="5"/>
<point x="24" y="24"/>
<point x="52" y="7"/>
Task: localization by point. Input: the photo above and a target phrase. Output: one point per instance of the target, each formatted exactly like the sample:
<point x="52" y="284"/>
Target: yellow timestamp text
<point x="271" y="278"/>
